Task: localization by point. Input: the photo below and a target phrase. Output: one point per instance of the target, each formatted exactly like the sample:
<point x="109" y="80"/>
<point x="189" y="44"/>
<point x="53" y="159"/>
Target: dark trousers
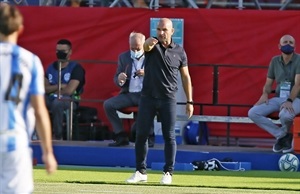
<point x="57" y="109"/>
<point x="148" y="108"/>
<point x="113" y="104"/>
<point x="118" y="102"/>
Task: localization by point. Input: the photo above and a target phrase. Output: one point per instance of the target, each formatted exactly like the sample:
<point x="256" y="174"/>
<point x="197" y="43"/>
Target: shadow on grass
<point x="187" y="186"/>
<point x="252" y="173"/>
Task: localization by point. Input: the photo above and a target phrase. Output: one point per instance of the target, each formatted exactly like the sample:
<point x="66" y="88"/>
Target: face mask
<point x="287" y="49"/>
<point x="61" y="55"/>
<point x="136" y="55"/>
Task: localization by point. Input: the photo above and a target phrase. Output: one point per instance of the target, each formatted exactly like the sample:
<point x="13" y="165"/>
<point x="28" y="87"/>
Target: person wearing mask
<point x="129" y="77"/>
<point x="59" y="95"/>
<point x="22" y="107"/>
<point x="164" y="59"/>
<point x="284" y="69"/>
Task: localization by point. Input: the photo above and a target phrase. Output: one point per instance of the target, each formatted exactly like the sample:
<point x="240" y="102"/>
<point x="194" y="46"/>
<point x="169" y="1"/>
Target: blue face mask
<point x="287" y="49"/>
<point x="136" y="55"/>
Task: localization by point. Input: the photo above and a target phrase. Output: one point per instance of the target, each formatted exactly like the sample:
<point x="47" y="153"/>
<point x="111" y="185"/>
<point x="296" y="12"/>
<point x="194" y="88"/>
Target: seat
<point x="274" y="116"/>
<point x="296" y="134"/>
<point x="126" y="114"/>
<point x="129" y="110"/>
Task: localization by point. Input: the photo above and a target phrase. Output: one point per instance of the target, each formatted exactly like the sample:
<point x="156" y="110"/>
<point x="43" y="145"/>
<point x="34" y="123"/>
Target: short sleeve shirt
<point x="162" y="69"/>
<point x="280" y="72"/>
<point x="21" y="76"/>
<point x="68" y="74"/>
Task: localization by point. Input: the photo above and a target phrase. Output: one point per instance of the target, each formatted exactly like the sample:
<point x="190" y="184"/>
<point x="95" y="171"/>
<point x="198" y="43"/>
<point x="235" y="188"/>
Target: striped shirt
<point x="21" y="76"/>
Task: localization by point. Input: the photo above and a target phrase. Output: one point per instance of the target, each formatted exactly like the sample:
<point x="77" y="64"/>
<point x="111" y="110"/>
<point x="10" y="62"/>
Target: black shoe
<point x="151" y="141"/>
<point x="288" y="145"/>
<point x="284" y="144"/>
<point x="121" y="140"/>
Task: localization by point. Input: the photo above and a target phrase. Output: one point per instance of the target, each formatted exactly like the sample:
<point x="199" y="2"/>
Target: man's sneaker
<point x="288" y="145"/>
<point x="137" y="177"/>
<point x="283" y="144"/>
<point x="166" y="179"/>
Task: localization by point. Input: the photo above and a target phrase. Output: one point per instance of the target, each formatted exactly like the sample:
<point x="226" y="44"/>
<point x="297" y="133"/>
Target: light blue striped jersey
<point x="21" y="76"/>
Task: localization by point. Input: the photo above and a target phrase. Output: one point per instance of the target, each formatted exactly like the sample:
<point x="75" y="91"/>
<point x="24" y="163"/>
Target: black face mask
<point x="61" y="55"/>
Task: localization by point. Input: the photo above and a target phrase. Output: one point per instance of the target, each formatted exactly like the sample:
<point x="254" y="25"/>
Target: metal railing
<point x="156" y="4"/>
<point x="229" y="118"/>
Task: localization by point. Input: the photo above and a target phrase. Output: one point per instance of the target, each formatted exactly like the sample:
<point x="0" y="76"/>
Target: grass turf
<point x="112" y="180"/>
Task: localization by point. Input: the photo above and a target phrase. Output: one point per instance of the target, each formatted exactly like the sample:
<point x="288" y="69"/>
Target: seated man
<point x="285" y="70"/>
<point x="72" y="82"/>
<point x="129" y="76"/>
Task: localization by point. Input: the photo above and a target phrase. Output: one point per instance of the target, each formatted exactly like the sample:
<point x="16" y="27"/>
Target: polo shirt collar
<point x="172" y="45"/>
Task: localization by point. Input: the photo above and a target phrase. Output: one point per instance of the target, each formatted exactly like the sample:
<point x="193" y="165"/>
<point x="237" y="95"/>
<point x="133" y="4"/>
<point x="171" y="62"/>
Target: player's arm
<point x="43" y="128"/>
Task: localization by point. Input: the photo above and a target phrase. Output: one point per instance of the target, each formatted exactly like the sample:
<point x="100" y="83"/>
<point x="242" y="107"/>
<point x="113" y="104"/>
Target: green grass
<point x="112" y="181"/>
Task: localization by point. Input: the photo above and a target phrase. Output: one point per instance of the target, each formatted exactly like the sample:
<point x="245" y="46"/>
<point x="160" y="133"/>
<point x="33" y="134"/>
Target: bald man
<point x="164" y="59"/>
<point x="284" y="69"/>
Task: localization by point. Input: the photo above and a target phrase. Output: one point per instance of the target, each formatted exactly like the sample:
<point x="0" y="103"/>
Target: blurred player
<point x="21" y="102"/>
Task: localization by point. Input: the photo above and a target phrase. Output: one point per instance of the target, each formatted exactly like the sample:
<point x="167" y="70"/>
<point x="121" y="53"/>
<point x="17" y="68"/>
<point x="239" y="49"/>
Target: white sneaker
<point x="137" y="177"/>
<point x="166" y="178"/>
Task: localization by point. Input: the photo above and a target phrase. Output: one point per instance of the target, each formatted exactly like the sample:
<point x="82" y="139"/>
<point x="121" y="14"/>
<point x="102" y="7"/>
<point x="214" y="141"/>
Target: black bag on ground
<point x="209" y="165"/>
<point x="86" y="114"/>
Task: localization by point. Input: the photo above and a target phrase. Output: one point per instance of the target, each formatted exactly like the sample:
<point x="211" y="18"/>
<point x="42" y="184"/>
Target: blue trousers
<point x="148" y="108"/>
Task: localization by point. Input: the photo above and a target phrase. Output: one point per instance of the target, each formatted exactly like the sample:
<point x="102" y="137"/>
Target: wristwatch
<point x="189" y="102"/>
<point x="289" y="100"/>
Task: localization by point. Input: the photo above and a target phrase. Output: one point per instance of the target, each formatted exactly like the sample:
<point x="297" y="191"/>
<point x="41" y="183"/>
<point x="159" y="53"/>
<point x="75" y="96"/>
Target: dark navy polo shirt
<point x="161" y="70"/>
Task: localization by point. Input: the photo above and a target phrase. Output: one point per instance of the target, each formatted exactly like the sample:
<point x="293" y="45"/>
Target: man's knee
<point x="107" y="105"/>
<point x="250" y="113"/>
<point x="286" y="115"/>
<point x="253" y="113"/>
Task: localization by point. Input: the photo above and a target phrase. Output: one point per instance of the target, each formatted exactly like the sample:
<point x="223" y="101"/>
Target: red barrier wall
<point x="247" y="37"/>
